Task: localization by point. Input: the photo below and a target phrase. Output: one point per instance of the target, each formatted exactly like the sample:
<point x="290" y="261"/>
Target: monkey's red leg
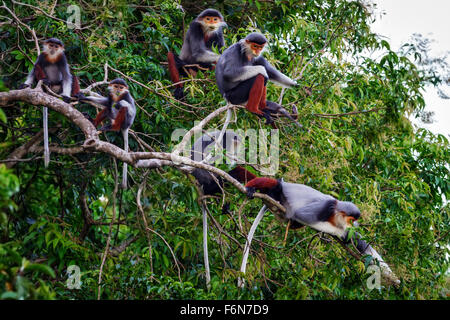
<point x="241" y="174"/>
<point x="39" y="73"/>
<point x="75" y="86"/>
<point x="192" y="72"/>
<point x="117" y="124"/>
<point x="262" y="183"/>
<point x="262" y="102"/>
<point x="100" y="117"/>
<point x="255" y="95"/>
<point x="173" y="70"/>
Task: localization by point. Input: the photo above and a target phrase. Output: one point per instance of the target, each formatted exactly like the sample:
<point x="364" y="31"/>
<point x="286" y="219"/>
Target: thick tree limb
<point x="137" y="159"/>
<point x="21" y="151"/>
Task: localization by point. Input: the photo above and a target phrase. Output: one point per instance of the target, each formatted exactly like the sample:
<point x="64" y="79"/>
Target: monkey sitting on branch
<point x="52" y="68"/>
<point x="307" y="206"/>
<point x="120" y="109"/>
<point x="204" y="32"/>
<point x="242" y="74"/>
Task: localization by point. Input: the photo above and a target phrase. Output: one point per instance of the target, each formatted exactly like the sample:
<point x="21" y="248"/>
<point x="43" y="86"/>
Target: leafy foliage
<point x="360" y="147"/>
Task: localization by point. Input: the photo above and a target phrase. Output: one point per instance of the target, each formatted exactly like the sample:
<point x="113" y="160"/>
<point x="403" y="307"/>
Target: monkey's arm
<point x="100" y="100"/>
<point x="30" y="78"/>
<point x="66" y="80"/>
<point x="235" y="71"/>
<point x="220" y="41"/>
<point x="317" y="215"/>
<point x="36" y="73"/>
<point x="275" y="75"/>
<point x="197" y="43"/>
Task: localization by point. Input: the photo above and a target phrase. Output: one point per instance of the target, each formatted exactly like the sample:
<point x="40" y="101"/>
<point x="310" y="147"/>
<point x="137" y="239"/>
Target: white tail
<point x="125" y="165"/>
<point x="249" y="242"/>
<point x="205" y="247"/>
<point x="46" y="149"/>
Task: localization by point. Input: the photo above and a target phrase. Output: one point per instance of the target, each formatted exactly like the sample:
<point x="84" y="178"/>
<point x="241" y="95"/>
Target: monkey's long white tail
<point x="125" y="165"/>
<point x="255" y="224"/>
<point x="385" y="269"/>
<point x="205" y="246"/>
<point x="46" y="149"/>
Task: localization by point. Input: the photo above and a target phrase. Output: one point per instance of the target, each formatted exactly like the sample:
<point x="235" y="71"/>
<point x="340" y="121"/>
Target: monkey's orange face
<point x="53" y="51"/>
<point x="211" y="23"/>
<point x="255" y="48"/>
<point x="117" y="90"/>
<point x="348" y="220"/>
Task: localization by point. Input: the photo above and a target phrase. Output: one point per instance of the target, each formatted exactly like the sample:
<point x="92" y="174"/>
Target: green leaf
<point x="42" y="268"/>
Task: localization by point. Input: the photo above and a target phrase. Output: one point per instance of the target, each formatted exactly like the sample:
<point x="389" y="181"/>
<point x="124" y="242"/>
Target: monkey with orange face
<point x="242" y="74"/>
<point x="120" y="109"/>
<point x="204" y="33"/>
<point x="52" y="68"/>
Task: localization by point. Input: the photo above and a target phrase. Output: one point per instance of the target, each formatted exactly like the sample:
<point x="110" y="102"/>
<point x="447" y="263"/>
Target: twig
<point x="171" y="251"/>
<point x="33" y="33"/>
<point x="144" y="220"/>
<point x="108" y="241"/>
<point x="249" y="242"/>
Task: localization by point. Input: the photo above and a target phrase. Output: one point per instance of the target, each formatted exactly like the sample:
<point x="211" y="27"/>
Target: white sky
<point x="431" y="18"/>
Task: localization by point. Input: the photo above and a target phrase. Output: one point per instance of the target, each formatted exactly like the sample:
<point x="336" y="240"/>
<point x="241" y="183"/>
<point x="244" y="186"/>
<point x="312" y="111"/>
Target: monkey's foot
<point x="80" y="96"/>
<point x="23" y="86"/>
<point x="226" y="208"/>
<point x="46" y="82"/>
<point x="179" y="93"/>
<point x="250" y="192"/>
<point x="295" y="225"/>
<point x="87" y="116"/>
<point x="267" y="116"/>
<point x="107" y="127"/>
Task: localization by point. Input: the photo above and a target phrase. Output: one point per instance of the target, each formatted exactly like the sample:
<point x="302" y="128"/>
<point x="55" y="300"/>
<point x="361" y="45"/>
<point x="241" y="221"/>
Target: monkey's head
<point x="117" y="88"/>
<point x="254" y="44"/>
<point x="211" y="20"/>
<point x="53" y="49"/>
<point x="345" y="214"/>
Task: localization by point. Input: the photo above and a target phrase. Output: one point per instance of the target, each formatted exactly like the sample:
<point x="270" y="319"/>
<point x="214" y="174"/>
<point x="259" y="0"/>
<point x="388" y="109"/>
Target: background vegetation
<point x="359" y="146"/>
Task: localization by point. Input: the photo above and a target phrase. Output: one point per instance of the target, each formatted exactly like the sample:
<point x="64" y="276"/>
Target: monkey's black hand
<point x="80" y="96"/>
<point x="179" y="93"/>
<point x="23" y="86"/>
<point x="250" y="192"/>
<point x="226" y="208"/>
<point x="308" y="90"/>
<point x="106" y="127"/>
<point x="66" y="99"/>
<point x="267" y="116"/>
<point x="87" y="116"/>
<point x="46" y="82"/>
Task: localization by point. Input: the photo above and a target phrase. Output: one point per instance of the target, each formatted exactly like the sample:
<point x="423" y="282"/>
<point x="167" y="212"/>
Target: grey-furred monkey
<point x="211" y="183"/>
<point x="204" y="32"/>
<point x="120" y="109"/>
<point x="52" y="68"/>
<point x="242" y="74"/>
<point x="307" y="206"/>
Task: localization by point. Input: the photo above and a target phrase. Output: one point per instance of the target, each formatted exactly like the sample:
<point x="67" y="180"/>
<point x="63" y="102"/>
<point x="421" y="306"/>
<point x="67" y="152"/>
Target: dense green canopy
<point x="359" y="146"/>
